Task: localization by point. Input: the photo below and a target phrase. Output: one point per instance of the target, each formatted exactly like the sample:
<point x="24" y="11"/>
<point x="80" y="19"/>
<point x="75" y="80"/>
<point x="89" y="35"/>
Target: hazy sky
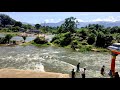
<point x="53" y="17"/>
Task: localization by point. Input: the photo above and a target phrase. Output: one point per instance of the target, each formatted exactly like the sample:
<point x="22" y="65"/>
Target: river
<point x="55" y="59"/>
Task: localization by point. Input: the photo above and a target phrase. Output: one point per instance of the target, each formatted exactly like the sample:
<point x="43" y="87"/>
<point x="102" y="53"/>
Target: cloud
<point x="79" y="20"/>
<point x="49" y="20"/>
<point x="52" y="20"/>
<point x="109" y="18"/>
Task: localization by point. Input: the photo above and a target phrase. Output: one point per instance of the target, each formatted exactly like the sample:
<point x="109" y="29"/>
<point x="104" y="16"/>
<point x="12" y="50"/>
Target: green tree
<point x="27" y="26"/>
<point x="91" y="39"/>
<point x="108" y="40"/>
<point x="15" y="29"/>
<point x="69" y="25"/>
<point x="24" y="26"/>
<point x="61" y="29"/>
<point x="6" y="20"/>
<point x="8" y="37"/>
<point x="114" y="29"/>
<point x="118" y="38"/>
<point x="37" y="26"/>
<point x="24" y="38"/>
<point x="74" y="44"/>
<point x="18" y="24"/>
<point x="3" y="40"/>
<point x="40" y="40"/>
<point x="65" y="39"/>
<point x="100" y="42"/>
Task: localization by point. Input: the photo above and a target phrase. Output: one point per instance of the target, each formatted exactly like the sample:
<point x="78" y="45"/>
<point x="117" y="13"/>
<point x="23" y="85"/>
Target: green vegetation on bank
<point x="12" y="33"/>
<point x="40" y="42"/>
<point x="6" y="39"/>
<point x="40" y="45"/>
<point x="92" y="37"/>
<point x="9" y="25"/>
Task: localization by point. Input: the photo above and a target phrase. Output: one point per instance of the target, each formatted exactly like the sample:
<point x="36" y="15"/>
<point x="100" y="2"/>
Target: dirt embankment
<point x="15" y="73"/>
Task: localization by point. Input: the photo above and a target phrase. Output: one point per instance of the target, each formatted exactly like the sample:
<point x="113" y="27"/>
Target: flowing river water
<point x="55" y="59"/>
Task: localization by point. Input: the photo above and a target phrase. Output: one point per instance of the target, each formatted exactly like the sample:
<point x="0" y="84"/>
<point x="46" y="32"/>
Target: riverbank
<point x="16" y="73"/>
<point x="82" y="48"/>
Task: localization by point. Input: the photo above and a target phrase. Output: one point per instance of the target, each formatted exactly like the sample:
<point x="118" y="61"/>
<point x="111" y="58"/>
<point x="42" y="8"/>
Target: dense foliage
<point x="85" y="38"/>
<point x="40" y="40"/>
<point x="37" y="26"/>
<point x="6" y="39"/>
<point x="24" y="37"/>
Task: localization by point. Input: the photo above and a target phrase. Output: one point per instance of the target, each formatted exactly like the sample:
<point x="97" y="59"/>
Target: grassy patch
<point x="12" y="33"/>
<point x="103" y="49"/>
<point x="40" y="45"/>
<point x="26" y="44"/>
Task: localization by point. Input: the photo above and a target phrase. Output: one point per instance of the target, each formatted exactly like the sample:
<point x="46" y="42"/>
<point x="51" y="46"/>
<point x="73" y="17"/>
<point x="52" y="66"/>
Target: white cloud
<point x="98" y="19"/>
<point x="109" y="18"/>
<point x="58" y="20"/>
<point x="79" y="20"/>
<point x="47" y="20"/>
<point x="52" y="20"/>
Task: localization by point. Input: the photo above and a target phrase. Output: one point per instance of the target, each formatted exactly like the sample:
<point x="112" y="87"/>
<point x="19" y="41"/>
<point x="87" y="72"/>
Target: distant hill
<point x="28" y="23"/>
<point x="81" y="24"/>
<point x="53" y="24"/>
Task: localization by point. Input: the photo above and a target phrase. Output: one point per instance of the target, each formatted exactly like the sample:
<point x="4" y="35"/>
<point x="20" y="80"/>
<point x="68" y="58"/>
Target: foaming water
<point x="55" y="59"/>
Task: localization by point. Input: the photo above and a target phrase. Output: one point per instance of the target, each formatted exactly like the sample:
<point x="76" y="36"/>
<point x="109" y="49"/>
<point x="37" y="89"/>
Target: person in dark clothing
<point x="83" y="74"/>
<point x="116" y="75"/>
<point x="78" y="67"/>
<point x="110" y="74"/>
<point x="103" y="70"/>
<point x="73" y="73"/>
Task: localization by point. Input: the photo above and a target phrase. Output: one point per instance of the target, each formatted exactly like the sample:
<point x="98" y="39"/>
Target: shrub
<point x="24" y="38"/>
<point x="57" y="41"/>
<point x="14" y="42"/>
<point x="40" y="40"/>
<point x="91" y="39"/>
<point x="8" y="37"/>
<point x="5" y="30"/>
<point x="63" y="39"/>
<point x="83" y="48"/>
<point x="3" y="40"/>
<point x="54" y="38"/>
<point x="100" y="42"/>
<point x="74" y="44"/>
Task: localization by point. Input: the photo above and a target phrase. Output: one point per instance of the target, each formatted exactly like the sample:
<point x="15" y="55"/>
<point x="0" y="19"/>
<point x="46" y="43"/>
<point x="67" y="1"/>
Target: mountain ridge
<point x="82" y="24"/>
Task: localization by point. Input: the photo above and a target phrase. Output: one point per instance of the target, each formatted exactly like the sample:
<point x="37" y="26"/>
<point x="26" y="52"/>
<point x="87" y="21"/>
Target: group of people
<point x="78" y="70"/>
<point x="116" y="75"/>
